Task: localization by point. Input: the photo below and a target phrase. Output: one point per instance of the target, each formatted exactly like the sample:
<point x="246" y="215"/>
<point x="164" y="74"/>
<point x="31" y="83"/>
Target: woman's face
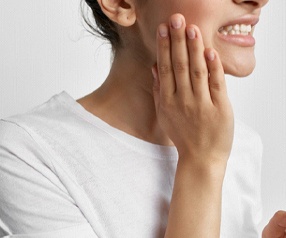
<point x="236" y="51"/>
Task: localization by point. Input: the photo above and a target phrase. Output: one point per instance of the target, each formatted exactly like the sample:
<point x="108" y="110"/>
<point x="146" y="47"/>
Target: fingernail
<point x="176" y="22"/>
<point x="211" y="55"/>
<point x="191" y="33"/>
<point x="163" y="30"/>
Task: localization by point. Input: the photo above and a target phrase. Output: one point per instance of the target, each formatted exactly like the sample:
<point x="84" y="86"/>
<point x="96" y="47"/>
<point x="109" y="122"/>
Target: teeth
<point x="228" y="28"/>
<point x="236" y="27"/>
<point x="224" y="33"/>
<point x="236" y="30"/>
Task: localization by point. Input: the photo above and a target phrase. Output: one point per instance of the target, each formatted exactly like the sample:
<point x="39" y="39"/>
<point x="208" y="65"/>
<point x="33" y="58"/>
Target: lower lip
<point x="240" y="40"/>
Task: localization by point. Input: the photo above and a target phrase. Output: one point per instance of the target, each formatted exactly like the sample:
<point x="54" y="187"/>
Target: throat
<point x="126" y="109"/>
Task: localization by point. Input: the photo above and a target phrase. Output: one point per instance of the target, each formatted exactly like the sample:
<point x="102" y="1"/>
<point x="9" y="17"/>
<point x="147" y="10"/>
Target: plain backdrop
<point x="44" y="49"/>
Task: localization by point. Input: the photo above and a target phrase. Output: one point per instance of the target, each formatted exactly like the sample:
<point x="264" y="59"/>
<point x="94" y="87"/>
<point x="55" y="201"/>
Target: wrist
<point x="207" y="169"/>
<point x="197" y="196"/>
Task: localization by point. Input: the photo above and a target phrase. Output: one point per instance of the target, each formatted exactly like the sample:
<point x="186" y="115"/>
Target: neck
<point x="125" y="100"/>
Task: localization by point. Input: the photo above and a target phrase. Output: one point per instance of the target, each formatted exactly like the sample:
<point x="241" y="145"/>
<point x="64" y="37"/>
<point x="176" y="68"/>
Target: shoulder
<point x="48" y="113"/>
<point x="42" y="123"/>
<point x="50" y="137"/>
<point x="12" y="136"/>
<point x="18" y="149"/>
<point x="20" y="134"/>
<point x="28" y="177"/>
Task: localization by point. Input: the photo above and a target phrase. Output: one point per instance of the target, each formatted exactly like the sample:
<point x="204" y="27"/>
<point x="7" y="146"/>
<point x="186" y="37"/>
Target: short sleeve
<point x="33" y="201"/>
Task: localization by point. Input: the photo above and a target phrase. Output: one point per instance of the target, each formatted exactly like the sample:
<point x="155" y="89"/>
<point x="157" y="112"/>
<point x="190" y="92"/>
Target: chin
<point x="239" y="66"/>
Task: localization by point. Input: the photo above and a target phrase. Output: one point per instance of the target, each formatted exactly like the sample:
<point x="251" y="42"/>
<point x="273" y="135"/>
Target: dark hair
<point x="104" y="27"/>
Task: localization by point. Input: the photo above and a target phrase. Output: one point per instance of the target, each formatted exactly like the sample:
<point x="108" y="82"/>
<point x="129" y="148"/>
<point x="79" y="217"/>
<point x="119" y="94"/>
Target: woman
<point x="112" y="163"/>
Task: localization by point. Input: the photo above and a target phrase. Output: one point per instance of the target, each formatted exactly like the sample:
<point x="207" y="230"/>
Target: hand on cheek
<point x="190" y="92"/>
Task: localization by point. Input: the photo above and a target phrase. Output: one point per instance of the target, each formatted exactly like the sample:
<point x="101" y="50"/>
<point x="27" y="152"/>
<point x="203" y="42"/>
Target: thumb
<point x="156" y="87"/>
<point x="276" y="226"/>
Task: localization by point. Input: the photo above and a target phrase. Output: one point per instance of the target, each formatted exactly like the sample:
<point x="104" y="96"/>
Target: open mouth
<point x="237" y="29"/>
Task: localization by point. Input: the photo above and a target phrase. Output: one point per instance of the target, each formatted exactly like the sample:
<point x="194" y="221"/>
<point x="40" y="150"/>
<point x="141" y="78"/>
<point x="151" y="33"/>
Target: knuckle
<point x="180" y="66"/>
<point x="164" y="69"/>
<point x="185" y="105"/>
<point x="188" y="106"/>
<point x="199" y="73"/>
<point x="216" y="86"/>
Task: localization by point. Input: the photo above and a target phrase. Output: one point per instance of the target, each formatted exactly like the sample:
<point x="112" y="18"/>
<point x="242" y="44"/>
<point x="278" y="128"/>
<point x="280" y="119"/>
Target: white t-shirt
<point x="65" y="173"/>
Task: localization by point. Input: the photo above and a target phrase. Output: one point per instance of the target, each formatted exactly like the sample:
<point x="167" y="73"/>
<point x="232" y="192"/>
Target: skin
<point x="236" y="60"/>
<point x="181" y="106"/>
<point x="194" y="110"/>
<point x="276" y="228"/>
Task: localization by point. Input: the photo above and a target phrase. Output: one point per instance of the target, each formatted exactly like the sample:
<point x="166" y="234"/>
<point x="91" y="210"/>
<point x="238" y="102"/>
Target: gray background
<point x="44" y="49"/>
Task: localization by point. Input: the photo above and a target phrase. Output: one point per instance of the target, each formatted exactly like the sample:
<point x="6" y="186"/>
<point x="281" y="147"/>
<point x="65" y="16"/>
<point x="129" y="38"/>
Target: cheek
<point x="194" y="11"/>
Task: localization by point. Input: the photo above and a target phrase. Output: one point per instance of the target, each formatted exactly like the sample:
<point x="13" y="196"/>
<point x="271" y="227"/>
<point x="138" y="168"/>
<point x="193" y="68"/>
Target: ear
<point x="120" y="11"/>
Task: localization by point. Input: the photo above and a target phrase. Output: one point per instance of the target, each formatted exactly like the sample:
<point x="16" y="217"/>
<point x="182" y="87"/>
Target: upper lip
<point x="245" y="19"/>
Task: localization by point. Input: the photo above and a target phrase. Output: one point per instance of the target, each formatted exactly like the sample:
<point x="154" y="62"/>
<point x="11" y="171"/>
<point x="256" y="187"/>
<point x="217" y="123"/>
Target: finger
<point x="276" y="226"/>
<point x="282" y="218"/>
<point x="198" y="66"/>
<point x="164" y="65"/>
<point x="217" y="84"/>
<point x="156" y="87"/>
<point x="180" y="57"/>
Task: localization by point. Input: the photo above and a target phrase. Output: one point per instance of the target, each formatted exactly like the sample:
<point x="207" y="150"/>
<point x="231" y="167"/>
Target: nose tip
<point x="255" y="3"/>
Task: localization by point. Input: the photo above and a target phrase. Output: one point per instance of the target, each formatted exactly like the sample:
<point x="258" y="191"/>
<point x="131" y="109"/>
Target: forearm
<point x="195" y="209"/>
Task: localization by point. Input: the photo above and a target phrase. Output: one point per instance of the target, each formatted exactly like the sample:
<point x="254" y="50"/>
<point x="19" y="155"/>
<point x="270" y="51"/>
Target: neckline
<point x="147" y="148"/>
